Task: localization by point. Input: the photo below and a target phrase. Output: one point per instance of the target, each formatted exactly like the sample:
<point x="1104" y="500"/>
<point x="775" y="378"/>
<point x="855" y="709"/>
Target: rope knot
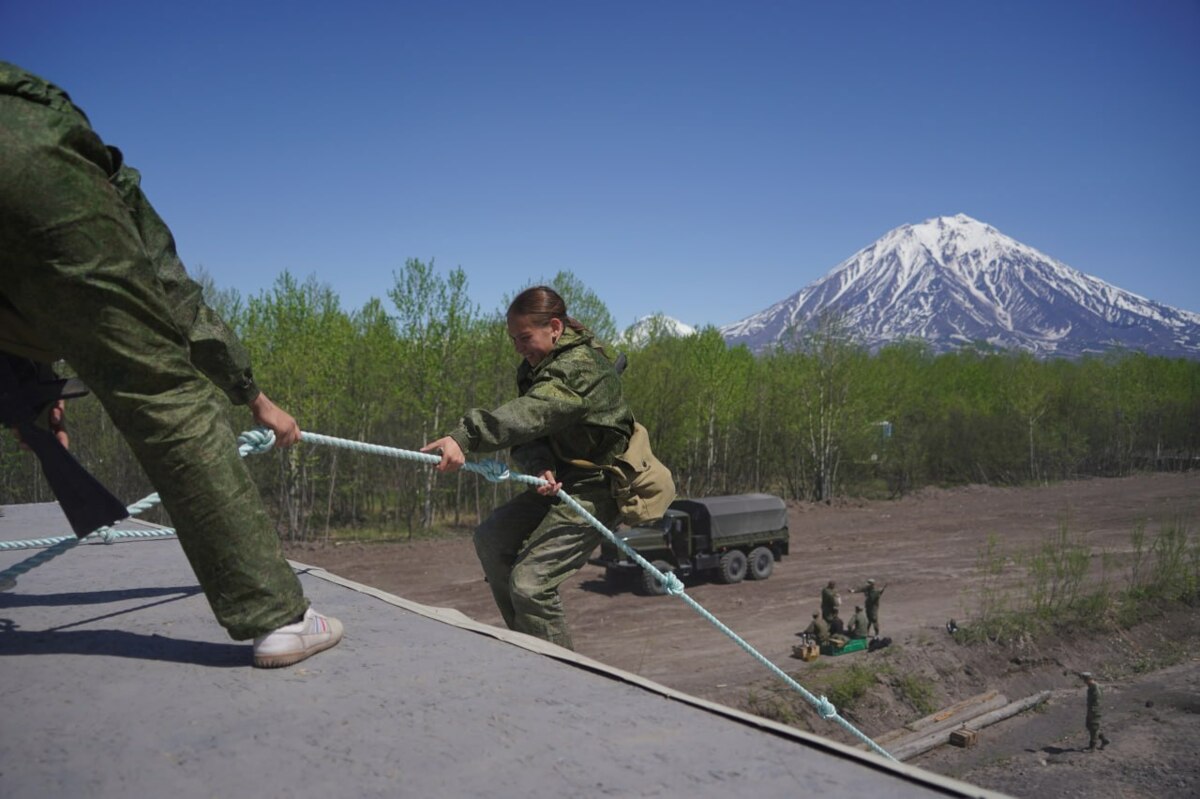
<point x="825" y="708"/>
<point x="673" y="584"/>
<point x="256" y="441"/>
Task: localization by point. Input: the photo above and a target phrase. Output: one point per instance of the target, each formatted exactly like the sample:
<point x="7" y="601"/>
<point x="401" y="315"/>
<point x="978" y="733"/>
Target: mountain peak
<point x="656" y="326"/>
<point x="953" y="280"/>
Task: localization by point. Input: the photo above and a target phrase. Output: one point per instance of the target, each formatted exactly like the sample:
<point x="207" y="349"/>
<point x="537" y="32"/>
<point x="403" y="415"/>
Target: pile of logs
<point x="971" y="714"/>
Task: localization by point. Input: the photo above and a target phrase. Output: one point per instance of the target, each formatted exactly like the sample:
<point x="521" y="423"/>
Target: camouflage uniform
<point x="830" y="601"/>
<point x="90" y="275"/>
<point x="859" y="626"/>
<point x="1093" y="716"/>
<point x="818" y="629"/>
<point x="570" y="407"/>
<point x="872" y="595"/>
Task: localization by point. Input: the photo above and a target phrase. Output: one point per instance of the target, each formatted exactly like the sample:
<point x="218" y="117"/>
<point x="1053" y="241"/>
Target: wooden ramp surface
<point x="116" y="682"/>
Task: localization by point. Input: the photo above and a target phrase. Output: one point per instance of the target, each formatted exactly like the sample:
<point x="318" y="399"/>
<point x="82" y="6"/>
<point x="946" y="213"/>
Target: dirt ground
<point x="926" y="549"/>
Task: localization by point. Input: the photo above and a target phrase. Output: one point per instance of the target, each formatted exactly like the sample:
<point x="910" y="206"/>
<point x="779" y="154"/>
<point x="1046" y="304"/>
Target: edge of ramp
<point x="455" y="618"/>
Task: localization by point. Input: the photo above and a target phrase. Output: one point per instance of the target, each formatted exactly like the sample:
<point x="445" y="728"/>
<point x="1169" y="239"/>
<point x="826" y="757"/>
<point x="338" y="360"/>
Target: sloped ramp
<point x="116" y="682"/>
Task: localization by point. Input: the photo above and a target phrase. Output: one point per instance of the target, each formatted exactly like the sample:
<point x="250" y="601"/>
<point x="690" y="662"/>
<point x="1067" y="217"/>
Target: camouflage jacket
<point x="570" y="406"/>
<point x="818" y="629"/>
<point x="872" y="595"/>
<point x="214" y="348"/>
<point x="830" y="601"/>
<point x="1093" y="703"/>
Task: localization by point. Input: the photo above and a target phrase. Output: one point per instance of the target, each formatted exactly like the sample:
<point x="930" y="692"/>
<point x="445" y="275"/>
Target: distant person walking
<point x="830" y="601"/>
<point x="1093" y="712"/>
<point x="872" y="595"/>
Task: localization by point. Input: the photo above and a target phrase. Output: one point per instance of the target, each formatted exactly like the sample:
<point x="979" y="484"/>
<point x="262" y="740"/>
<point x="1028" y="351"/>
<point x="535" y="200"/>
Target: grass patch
<point x="1052" y="593"/>
<point x="849" y="685"/>
<point x="774" y="707"/>
<point x="917" y="691"/>
<point x="1168" y="654"/>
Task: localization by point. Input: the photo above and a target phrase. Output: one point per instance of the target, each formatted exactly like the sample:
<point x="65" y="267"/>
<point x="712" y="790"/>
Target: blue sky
<point x="698" y="158"/>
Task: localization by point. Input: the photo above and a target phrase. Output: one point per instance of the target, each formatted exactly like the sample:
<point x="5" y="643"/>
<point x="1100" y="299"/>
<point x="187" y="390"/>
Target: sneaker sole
<point x="288" y="658"/>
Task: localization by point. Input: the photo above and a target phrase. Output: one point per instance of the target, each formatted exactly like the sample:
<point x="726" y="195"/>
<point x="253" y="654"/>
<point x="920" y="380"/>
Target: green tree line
<point x="817" y="418"/>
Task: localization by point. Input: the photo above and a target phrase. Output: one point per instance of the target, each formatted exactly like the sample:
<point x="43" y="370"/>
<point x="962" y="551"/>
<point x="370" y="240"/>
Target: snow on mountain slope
<point x="656" y="326"/>
<point x="955" y="280"/>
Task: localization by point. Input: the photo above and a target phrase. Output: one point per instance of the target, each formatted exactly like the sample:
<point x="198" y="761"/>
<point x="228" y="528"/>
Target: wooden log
<point x="1008" y="710"/>
<point x="923" y="744"/>
<point x="952" y="710"/>
<point x="944" y="719"/>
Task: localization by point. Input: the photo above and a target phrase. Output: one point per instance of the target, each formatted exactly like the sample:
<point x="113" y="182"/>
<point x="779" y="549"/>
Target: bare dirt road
<point x="925" y="548"/>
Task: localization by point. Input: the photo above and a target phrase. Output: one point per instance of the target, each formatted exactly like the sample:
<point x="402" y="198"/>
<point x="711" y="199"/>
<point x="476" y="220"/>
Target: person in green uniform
<point x="859" y="626"/>
<point x="1092" y="721"/>
<point x="817" y="629"/>
<point x="872" y="595"/>
<point x="830" y="601"/>
<point x="570" y="407"/>
<point x="90" y="276"/>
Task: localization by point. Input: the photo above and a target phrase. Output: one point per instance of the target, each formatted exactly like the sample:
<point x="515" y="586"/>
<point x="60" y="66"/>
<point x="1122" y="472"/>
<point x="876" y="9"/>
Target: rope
<point x="261" y="440"/>
<point x="498" y="472"/>
<point x="251" y="442"/>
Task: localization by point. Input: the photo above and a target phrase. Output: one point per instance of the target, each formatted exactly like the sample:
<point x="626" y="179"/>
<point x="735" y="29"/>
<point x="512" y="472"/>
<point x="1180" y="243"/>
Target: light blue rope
<point x="497" y="472"/>
<point x="261" y="440"/>
<point x="251" y="442"/>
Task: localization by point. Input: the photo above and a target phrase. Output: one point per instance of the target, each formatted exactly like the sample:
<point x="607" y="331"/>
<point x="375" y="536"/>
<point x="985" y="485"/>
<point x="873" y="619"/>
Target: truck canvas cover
<point x="725" y="517"/>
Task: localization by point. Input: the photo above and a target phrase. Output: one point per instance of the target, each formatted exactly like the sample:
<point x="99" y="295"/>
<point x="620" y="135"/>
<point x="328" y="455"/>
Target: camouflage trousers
<point x="76" y="275"/>
<point x="529" y="546"/>
<point x="1094" y="734"/>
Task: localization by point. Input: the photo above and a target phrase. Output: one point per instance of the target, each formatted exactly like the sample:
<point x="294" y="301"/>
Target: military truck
<point x="731" y="537"/>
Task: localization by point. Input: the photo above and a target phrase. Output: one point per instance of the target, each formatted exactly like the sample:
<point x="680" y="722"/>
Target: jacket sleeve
<point x="215" y="349"/>
<point x="550" y="405"/>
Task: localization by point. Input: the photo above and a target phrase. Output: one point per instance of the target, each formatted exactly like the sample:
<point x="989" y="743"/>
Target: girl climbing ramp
<point x="569" y="407"/>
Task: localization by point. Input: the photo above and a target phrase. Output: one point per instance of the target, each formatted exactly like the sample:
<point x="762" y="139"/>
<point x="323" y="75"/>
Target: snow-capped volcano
<point x="954" y="280"/>
<point x="656" y="326"/>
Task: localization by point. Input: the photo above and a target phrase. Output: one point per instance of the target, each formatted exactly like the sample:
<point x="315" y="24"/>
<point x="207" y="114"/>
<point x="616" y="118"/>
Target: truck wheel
<point x="733" y="566"/>
<point x="762" y="563"/>
<point x="650" y="584"/>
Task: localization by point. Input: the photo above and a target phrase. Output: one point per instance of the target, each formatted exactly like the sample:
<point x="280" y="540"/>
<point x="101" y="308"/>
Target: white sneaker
<point x="293" y="643"/>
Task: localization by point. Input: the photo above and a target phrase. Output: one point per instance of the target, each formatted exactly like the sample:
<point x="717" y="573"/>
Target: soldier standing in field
<point x="1093" y="712"/>
<point x="872" y="595"/>
<point x="830" y="601"/>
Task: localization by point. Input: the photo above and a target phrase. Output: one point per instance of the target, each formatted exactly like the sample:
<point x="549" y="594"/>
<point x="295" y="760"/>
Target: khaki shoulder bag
<point x="641" y="484"/>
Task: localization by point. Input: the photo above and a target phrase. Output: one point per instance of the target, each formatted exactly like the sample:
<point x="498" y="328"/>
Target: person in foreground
<point x="90" y="276"/>
<point x="570" y="408"/>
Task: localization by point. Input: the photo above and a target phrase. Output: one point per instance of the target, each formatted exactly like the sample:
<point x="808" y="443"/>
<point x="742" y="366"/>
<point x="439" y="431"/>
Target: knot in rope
<point x="673" y="584"/>
<point x="256" y="441"/>
<point x="825" y="708"/>
<point x="494" y="471"/>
